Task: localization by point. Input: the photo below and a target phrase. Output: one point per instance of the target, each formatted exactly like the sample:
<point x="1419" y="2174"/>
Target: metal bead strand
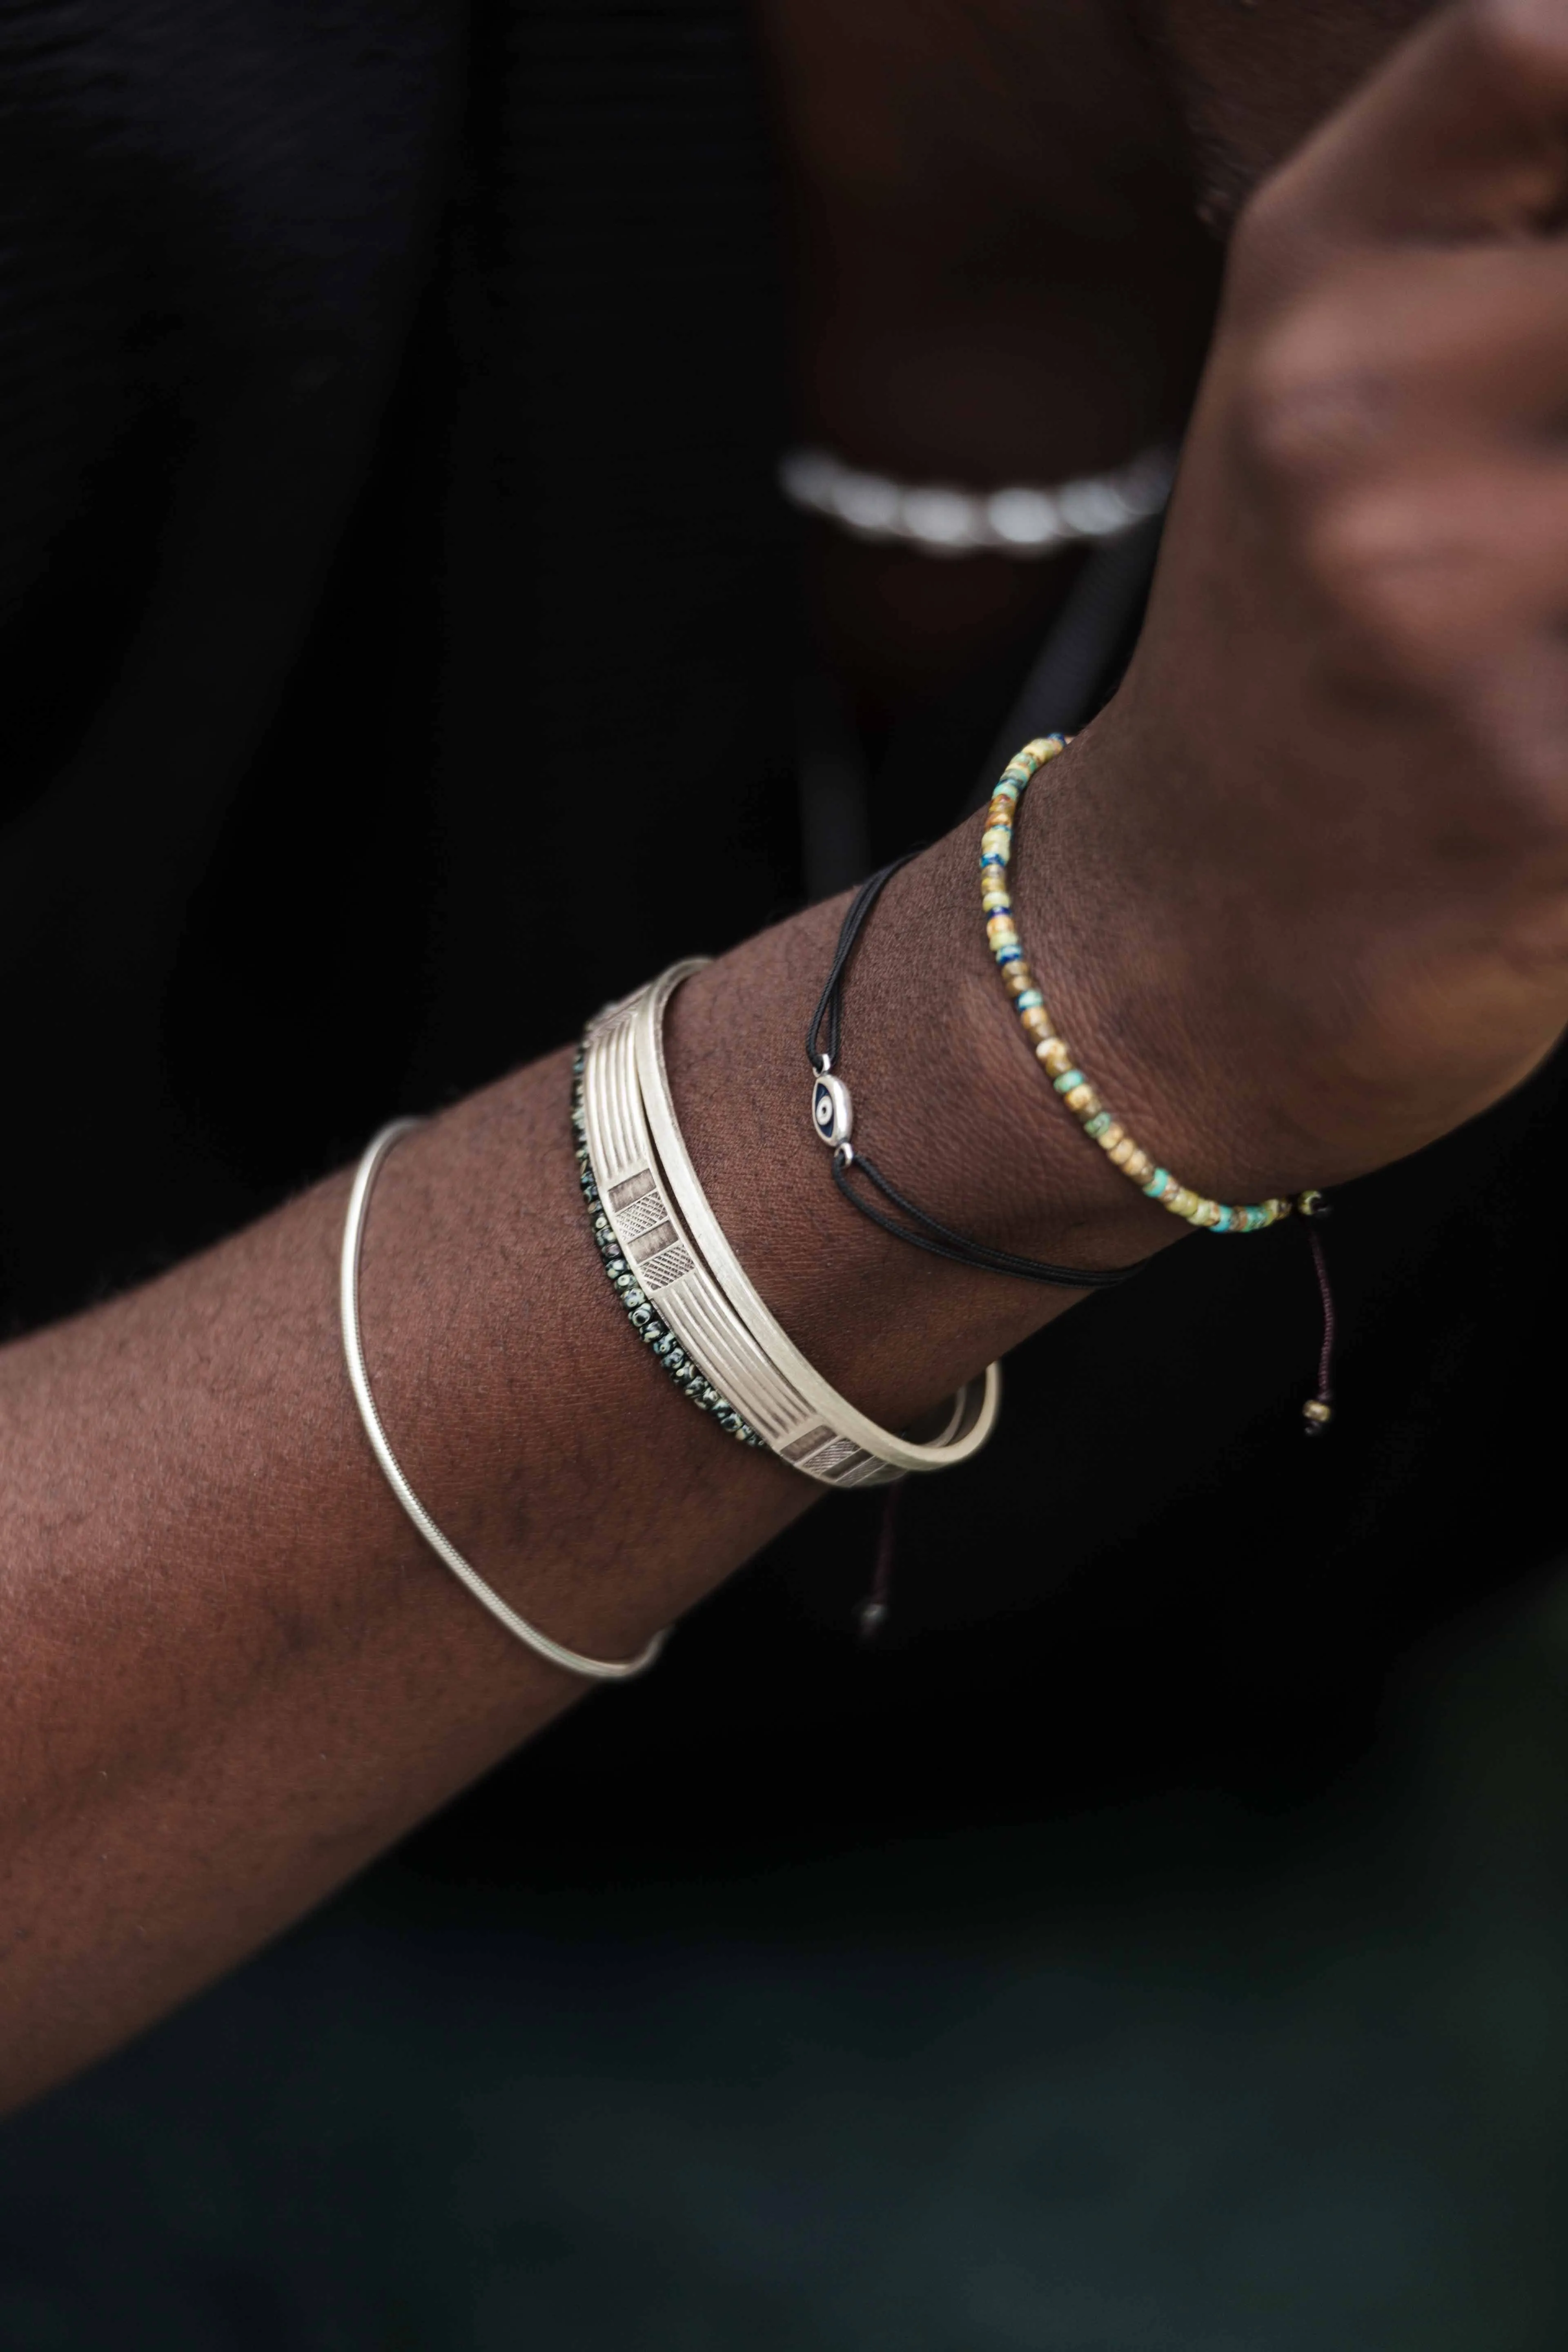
<point x="656" y="1336"/>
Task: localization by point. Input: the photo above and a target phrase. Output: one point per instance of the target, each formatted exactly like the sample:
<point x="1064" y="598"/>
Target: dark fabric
<point x="398" y="659"/>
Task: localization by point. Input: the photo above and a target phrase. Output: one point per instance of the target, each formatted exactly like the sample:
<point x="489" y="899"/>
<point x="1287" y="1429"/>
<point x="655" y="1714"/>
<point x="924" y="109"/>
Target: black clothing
<point x="392" y="403"/>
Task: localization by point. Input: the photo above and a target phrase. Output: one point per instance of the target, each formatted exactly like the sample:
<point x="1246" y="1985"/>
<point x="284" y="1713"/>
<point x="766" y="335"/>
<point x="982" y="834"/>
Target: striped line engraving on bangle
<point x="639" y="1203"/>
<point x="682" y="1370"/>
<point x="621" y="1155"/>
<point x="651" y="1240"/>
<point x="689" y="1302"/>
<point x="825" y="1456"/>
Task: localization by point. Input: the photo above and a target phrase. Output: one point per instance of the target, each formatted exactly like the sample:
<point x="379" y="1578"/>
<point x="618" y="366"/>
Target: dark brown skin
<point x="1305" y="886"/>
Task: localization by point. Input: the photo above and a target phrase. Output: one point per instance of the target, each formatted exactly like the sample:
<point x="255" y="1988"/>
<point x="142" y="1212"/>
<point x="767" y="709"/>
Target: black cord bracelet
<point x="832" y="1117"/>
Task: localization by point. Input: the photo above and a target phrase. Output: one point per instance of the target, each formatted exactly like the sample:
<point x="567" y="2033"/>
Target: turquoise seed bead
<point x="996" y="849"/>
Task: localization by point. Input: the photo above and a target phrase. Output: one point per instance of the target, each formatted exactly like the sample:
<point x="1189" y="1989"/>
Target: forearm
<point x="234" y="1673"/>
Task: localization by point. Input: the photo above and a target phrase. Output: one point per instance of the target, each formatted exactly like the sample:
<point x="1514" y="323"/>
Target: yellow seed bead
<point x="1184" y="1202"/>
<point x="1206" y="1214"/>
<point x="1036" y="1019"/>
<point x="1110" y="1136"/>
<point x="1056" y="1055"/>
<point x="1018" y="978"/>
<point x="1138" y="1165"/>
<point x="1082" y="1101"/>
<point x="1123" y="1150"/>
<point x="995" y="902"/>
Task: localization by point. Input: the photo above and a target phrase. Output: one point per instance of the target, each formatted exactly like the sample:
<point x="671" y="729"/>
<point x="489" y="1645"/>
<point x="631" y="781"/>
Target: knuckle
<point x="1367" y="554"/>
<point x="1314" y="400"/>
<point x="1408" y="598"/>
<point x="1520" y="43"/>
<point x="1409" y="623"/>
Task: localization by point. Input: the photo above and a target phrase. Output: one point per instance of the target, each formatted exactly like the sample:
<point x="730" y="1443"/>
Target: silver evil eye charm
<point x="831" y="1114"/>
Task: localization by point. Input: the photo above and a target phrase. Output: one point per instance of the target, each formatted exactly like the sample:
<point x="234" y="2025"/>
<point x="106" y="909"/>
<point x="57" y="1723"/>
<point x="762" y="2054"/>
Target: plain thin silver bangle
<point x="597" y="1669"/>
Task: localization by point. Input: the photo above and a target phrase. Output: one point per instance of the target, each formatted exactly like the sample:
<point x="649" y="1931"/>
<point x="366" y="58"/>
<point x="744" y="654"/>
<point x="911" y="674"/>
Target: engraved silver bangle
<point x="668" y="1232"/>
<point x="597" y="1669"/>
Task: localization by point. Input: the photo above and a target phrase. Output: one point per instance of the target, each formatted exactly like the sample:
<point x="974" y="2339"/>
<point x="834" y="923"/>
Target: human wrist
<point x="1217" y="1025"/>
<point x="948" y="1101"/>
<point x="1007" y="1159"/>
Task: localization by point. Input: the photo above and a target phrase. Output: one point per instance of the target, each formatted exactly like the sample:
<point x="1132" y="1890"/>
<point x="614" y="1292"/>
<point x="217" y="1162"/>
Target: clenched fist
<point x="1306" y="879"/>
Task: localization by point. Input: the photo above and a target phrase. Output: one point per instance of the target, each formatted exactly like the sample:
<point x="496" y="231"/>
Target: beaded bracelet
<point x="656" y="1336"/>
<point x="1052" y="1050"/>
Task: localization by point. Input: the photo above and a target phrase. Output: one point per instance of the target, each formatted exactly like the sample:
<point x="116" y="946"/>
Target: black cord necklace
<point x="832" y="1118"/>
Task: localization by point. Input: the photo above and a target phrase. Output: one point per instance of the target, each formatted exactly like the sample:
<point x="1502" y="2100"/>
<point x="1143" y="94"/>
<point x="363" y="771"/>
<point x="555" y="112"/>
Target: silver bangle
<point x="939" y="518"/>
<point x="668" y="1233"/>
<point x="597" y="1669"/>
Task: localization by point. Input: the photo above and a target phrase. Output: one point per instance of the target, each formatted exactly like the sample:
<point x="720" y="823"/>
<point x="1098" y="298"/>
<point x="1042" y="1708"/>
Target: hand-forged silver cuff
<point x="666" y="1230"/>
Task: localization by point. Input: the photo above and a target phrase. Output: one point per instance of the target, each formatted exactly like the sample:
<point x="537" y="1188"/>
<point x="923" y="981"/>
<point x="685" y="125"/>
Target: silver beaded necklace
<point x="937" y="519"/>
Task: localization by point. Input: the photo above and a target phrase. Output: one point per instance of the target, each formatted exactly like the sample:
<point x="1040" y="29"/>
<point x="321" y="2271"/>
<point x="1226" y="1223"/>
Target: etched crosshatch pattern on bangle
<point x="639" y="1204"/>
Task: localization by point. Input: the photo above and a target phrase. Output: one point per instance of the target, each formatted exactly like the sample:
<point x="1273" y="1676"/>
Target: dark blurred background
<point x="1158" y="1945"/>
<point x="1186" y="2076"/>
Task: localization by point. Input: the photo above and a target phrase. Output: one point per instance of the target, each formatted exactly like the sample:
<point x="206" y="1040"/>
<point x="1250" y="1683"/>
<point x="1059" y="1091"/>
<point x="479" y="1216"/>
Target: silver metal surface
<point x="832" y="1112"/>
<point x="597" y="1669"/>
<point x="939" y="518"/>
<point x="668" y="1233"/>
